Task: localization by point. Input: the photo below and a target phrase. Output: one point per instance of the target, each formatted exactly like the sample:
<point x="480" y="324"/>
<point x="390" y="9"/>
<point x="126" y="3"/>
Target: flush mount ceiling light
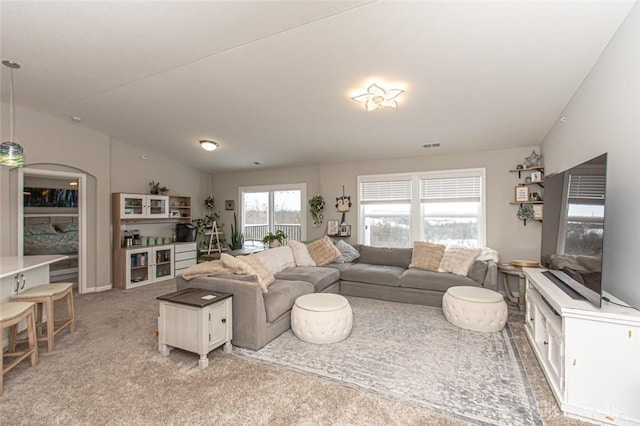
<point x="209" y="145"/>
<point x="11" y="153"/>
<point x="377" y="97"/>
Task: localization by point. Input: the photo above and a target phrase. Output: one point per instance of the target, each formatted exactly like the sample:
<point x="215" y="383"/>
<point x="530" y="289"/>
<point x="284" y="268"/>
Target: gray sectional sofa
<point x="379" y="273"/>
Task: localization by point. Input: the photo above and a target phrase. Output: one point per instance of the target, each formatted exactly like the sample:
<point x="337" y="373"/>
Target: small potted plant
<point x="274" y="240"/>
<point x="316" y="206"/>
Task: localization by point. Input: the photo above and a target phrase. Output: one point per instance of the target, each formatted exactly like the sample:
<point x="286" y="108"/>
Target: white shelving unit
<point x="590" y="356"/>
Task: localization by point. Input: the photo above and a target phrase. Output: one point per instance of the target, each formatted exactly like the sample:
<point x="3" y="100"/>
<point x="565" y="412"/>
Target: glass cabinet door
<point x="138" y="267"/>
<point x="163" y="263"/>
<point x="157" y="206"/>
<point x="132" y="205"/>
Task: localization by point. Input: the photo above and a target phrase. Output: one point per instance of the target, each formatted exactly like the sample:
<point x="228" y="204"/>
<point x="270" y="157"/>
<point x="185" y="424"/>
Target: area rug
<point x="411" y="354"/>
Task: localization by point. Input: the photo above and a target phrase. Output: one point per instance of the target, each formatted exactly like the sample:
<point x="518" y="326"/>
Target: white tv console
<point x="590" y="356"/>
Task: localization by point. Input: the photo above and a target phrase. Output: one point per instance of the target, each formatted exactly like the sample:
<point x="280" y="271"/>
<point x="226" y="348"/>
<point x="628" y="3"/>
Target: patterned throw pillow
<point x="347" y="251"/>
<point x="457" y="260"/>
<point x="301" y="254"/>
<point x="265" y="278"/>
<point x="323" y="251"/>
<point x="426" y="256"/>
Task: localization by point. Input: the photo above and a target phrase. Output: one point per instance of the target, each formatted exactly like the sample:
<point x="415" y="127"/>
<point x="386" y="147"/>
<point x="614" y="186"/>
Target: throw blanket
<point x="488" y="254"/>
<point x="205" y="269"/>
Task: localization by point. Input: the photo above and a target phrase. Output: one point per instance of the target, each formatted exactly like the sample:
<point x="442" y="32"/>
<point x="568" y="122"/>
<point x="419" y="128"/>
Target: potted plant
<point x="316" y="206"/>
<point x="237" y="239"/>
<point x="156" y="189"/>
<point x="207" y="221"/>
<point x="274" y="240"/>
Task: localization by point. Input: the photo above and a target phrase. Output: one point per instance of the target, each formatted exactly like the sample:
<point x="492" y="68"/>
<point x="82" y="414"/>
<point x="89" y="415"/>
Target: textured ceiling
<point x="271" y="81"/>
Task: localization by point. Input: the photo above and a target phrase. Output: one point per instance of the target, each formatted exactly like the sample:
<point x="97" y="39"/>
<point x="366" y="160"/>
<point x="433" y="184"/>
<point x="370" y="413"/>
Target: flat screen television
<point x="573" y="229"/>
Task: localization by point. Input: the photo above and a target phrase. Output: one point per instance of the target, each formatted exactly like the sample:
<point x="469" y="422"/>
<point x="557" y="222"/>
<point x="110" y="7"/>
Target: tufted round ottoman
<point x="321" y="318"/>
<point x="475" y="308"/>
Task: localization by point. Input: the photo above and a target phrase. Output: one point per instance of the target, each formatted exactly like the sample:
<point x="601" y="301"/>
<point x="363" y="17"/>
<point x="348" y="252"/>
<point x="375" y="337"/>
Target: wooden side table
<point x="195" y="320"/>
<point x="509" y="270"/>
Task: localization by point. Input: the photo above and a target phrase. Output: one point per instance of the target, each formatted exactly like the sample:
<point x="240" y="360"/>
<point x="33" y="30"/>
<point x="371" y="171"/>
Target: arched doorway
<point x="58" y="216"/>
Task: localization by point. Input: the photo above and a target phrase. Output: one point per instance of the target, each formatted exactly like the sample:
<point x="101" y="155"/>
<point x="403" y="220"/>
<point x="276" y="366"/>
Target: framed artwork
<point x="537" y="211"/>
<point x="522" y="193"/>
<point x="229" y="204"/>
<point x="345" y="230"/>
<point x="333" y="228"/>
<point x="536" y="176"/>
<point x="174" y="213"/>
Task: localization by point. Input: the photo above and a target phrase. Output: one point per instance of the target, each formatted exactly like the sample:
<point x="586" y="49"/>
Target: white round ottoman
<point x="321" y="318"/>
<point x="475" y="308"/>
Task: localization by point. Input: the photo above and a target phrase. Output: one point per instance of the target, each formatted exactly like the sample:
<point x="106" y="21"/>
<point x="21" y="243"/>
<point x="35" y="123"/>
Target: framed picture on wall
<point x="537" y="211"/>
<point x="522" y="193"/>
<point x="229" y="204"/>
<point x="333" y="228"/>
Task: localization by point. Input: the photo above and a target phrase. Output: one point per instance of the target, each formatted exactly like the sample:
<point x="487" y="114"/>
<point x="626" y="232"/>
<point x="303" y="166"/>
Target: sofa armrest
<point x="491" y="279"/>
<point x="249" y="314"/>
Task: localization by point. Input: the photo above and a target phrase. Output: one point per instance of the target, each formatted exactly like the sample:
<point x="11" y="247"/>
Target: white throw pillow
<point x="457" y="260"/>
<point x="301" y="254"/>
<point x="277" y="259"/>
<point x="349" y="253"/>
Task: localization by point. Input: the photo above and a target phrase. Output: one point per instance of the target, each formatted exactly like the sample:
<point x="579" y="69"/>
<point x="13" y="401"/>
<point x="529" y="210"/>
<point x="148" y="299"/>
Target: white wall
<point x="505" y="232"/>
<point x="604" y="116"/>
<point x="55" y="143"/>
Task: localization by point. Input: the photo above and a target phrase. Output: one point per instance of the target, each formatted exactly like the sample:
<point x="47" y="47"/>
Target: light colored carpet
<point x="410" y="353"/>
<point x="110" y="372"/>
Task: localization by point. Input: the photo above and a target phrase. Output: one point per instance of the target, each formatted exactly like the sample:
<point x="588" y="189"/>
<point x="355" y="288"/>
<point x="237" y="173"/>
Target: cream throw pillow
<point x="323" y="251"/>
<point x="301" y="254"/>
<point x="265" y="278"/>
<point x="277" y="259"/>
<point x="457" y="260"/>
<point x="426" y="256"/>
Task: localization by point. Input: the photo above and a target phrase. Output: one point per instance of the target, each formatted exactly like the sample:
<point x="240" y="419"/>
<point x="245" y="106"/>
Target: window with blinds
<point x="445" y="207"/>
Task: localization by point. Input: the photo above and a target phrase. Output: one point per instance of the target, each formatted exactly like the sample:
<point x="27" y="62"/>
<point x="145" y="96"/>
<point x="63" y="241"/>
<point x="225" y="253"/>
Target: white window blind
<point x="587" y="188"/>
<point x="451" y="189"/>
<point x="391" y="190"/>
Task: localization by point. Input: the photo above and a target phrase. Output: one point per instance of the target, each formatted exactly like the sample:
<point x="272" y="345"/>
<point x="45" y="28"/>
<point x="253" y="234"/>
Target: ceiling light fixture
<point x="11" y="153"/>
<point x="208" y="145"/>
<point x="377" y="97"/>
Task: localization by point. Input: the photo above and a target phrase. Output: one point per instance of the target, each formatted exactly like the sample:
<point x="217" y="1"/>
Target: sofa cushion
<point x="320" y="277"/>
<point x="348" y="252"/>
<point x="429" y="280"/>
<point x="323" y="251"/>
<point x="301" y="254"/>
<point x="373" y="274"/>
<point x="478" y="271"/>
<point x="277" y="259"/>
<point x="458" y="260"/>
<point x="426" y="255"/>
<point x="282" y="295"/>
<point x="385" y="256"/>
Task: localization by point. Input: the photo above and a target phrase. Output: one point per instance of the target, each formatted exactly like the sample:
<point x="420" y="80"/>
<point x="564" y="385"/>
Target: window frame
<point x="302" y="187"/>
<point x="416" y="219"/>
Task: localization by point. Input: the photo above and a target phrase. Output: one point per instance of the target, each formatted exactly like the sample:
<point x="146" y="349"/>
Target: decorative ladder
<point x="214" y="233"/>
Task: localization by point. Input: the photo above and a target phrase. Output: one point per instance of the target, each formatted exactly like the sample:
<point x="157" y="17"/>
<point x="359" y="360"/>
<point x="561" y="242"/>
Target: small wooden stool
<point x="11" y="314"/>
<point x="44" y="296"/>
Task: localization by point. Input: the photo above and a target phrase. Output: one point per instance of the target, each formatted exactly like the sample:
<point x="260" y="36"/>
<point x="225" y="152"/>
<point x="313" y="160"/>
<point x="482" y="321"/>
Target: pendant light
<point x="11" y="153"/>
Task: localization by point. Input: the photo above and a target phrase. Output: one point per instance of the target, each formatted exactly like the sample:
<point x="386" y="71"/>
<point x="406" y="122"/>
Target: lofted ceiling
<point x="271" y="81"/>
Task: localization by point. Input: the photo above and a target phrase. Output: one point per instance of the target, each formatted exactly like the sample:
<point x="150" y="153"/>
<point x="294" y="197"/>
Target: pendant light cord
<point x="12" y="113"/>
